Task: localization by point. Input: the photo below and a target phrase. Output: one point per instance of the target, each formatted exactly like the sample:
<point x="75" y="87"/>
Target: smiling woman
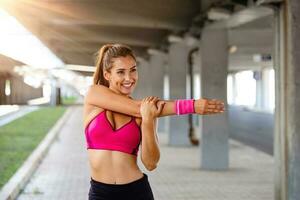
<point x="113" y="138"/>
<point x="116" y="125"/>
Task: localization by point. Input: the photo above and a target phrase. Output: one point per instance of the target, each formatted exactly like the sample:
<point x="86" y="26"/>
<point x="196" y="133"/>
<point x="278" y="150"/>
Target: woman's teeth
<point x="127" y="85"/>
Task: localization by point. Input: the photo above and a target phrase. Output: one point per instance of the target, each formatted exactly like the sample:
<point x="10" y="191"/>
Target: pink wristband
<point x="184" y="106"/>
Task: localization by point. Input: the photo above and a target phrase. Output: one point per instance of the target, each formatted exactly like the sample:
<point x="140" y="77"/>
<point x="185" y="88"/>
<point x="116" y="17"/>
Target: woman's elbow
<point x="89" y="95"/>
<point x="150" y="166"/>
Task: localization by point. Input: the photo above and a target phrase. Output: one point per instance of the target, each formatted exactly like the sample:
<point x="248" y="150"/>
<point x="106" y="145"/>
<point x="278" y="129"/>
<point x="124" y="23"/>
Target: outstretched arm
<point x="104" y="97"/>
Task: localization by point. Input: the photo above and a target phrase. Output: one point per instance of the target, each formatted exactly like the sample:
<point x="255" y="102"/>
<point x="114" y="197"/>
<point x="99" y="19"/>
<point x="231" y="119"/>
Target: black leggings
<point x="136" y="190"/>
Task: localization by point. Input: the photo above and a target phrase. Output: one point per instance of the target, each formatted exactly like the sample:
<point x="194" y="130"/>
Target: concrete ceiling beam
<point x="262" y="37"/>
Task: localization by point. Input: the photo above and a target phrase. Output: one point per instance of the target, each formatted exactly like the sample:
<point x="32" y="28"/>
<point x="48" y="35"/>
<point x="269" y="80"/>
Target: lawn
<point x="68" y="100"/>
<point x="21" y="136"/>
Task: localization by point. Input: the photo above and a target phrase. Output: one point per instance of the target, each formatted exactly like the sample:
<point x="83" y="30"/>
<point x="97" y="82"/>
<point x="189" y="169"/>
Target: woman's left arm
<point x="150" y="110"/>
<point x="150" y="150"/>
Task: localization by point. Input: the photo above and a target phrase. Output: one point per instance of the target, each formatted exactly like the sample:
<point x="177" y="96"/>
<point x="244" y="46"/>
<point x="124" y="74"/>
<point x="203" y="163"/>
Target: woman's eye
<point x="120" y="72"/>
<point x="133" y="70"/>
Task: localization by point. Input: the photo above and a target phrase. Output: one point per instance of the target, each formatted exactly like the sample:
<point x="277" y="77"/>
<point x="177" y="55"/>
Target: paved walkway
<point x="64" y="173"/>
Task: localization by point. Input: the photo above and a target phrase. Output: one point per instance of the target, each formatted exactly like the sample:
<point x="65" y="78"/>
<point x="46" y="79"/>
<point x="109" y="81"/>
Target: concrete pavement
<point x="64" y="173"/>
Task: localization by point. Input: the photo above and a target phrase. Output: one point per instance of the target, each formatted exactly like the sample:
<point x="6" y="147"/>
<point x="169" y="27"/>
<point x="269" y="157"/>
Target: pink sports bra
<point x="100" y="134"/>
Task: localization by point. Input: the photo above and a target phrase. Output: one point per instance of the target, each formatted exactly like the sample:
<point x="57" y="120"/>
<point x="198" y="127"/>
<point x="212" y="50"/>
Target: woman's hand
<point x="151" y="108"/>
<point x="208" y="106"/>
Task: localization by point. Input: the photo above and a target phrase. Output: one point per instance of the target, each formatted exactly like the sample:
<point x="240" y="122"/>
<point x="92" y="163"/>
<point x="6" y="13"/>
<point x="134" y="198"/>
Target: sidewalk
<point x="64" y="173"/>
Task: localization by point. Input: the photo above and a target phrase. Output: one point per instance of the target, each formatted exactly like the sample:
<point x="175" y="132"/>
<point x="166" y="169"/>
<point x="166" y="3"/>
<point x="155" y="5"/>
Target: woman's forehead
<point x="124" y="63"/>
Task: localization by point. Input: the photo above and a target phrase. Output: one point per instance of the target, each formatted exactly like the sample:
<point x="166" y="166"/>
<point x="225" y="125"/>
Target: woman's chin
<point x="126" y="92"/>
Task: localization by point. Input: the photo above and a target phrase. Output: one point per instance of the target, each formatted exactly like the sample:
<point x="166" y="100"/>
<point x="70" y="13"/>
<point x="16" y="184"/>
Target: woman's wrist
<point x="184" y="106"/>
<point x="148" y="120"/>
<point x="199" y="105"/>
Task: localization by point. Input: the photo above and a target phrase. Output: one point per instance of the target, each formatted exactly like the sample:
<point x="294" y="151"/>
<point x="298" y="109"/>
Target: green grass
<point x="21" y="136"/>
<point x="68" y="100"/>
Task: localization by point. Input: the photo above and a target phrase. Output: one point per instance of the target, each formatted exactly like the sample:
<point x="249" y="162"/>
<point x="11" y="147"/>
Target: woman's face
<point x="123" y="75"/>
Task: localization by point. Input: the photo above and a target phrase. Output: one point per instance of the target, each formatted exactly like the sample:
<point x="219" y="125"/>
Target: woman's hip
<point x="139" y="189"/>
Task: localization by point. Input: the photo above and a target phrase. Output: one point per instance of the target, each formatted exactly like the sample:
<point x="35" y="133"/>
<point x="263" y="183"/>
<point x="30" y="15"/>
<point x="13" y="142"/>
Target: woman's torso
<point x="111" y="166"/>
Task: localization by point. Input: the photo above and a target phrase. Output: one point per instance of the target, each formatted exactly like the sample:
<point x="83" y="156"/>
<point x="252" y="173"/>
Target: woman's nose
<point x="127" y="76"/>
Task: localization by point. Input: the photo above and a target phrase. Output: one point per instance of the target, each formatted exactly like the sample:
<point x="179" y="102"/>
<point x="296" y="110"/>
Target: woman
<point x="117" y="125"/>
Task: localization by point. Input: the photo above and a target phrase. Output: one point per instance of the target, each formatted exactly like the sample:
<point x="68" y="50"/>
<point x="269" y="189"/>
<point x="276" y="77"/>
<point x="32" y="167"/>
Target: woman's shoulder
<point x="95" y="89"/>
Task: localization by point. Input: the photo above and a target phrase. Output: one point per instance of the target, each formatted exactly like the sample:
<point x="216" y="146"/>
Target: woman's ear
<point x="106" y="75"/>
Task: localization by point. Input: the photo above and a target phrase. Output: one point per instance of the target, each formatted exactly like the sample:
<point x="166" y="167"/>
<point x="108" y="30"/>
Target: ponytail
<point x="99" y="73"/>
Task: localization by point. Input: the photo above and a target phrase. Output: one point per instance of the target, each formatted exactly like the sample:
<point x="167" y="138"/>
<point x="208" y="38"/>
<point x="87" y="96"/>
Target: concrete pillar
<point x="234" y="88"/>
<point x="143" y="87"/>
<point x="266" y="79"/>
<point x="214" y="139"/>
<point x="157" y="64"/>
<point x="178" y="66"/>
<point x="156" y="69"/>
<point x="258" y="76"/>
<point x="2" y="89"/>
<point x="55" y="93"/>
<point x="12" y="88"/>
<point x="287" y="101"/>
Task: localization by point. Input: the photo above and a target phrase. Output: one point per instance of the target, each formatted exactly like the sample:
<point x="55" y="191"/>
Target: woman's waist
<point x="116" y="175"/>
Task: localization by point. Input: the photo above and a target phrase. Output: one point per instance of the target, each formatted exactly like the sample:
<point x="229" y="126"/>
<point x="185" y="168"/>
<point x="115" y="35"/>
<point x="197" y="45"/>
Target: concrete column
<point x="2" y="89"/>
<point x="267" y="94"/>
<point x="8" y="98"/>
<point x="157" y="64"/>
<point x="214" y="139"/>
<point x="234" y="89"/>
<point x="143" y="87"/>
<point x="22" y="97"/>
<point x="287" y="101"/>
<point x="14" y="92"/>
<point x="20" y="89"/>
<point x="55" y="93"/>
<point x="178" y="66"/>
<point x="258" y="76"/>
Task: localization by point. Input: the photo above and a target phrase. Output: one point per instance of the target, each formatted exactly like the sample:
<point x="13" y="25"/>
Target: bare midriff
<point x="113" y="167"/>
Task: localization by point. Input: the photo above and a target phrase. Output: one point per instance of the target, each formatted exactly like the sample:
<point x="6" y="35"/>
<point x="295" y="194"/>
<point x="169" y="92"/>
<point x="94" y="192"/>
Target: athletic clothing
<point x="100" y="134"/>
<point x="137" y="190"/>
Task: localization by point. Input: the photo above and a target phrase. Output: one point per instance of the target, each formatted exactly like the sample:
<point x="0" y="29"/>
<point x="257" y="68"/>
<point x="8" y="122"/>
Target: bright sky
<point x="18" y="43"/>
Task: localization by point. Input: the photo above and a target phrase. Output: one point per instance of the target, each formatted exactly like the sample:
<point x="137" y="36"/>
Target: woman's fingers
<point x="160" y="106"/>
<point x="153" y="99"/>
<point x="216" y="107"/>
<point x="213" y="106"/>
<point x="148" y="99"/>
<point x="213" y="111"/>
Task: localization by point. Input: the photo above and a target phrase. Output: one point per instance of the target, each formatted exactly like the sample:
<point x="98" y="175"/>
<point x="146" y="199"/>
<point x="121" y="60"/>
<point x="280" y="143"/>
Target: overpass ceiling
<point x="74" y="30"/>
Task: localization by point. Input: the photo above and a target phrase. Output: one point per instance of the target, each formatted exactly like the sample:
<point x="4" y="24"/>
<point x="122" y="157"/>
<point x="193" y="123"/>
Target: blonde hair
<point x="104" y="60"/>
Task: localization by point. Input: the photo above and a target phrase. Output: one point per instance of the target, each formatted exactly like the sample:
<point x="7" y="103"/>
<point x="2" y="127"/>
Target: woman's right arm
<point x="103" y="97"/>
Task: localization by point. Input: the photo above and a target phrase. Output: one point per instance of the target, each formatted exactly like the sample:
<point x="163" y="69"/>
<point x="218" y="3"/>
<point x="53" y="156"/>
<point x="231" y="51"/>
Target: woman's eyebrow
<point x="125" y="69"/>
